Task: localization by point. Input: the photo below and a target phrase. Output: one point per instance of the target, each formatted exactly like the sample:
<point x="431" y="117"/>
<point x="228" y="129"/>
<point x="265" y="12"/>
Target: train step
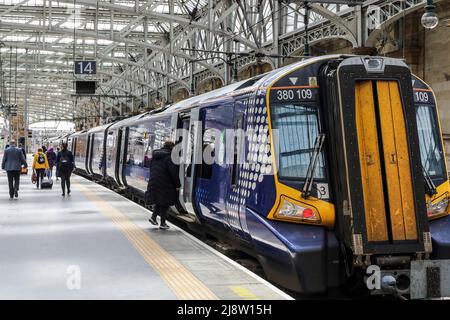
<point x="186" y="218"/>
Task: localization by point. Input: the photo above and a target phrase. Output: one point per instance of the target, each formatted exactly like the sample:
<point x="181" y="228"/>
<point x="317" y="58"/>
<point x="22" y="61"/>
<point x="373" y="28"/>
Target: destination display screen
<point x="423" y="96"/>
<point x="295" y="89"/>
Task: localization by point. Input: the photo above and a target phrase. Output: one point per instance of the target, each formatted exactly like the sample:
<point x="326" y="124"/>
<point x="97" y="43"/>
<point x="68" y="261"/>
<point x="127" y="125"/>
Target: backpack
<point x="41" y="158"/>
<point x="65" y="162"/>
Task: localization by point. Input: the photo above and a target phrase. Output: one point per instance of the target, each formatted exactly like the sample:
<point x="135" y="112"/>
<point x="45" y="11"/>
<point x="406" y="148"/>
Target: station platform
<point x="96" y="244"/>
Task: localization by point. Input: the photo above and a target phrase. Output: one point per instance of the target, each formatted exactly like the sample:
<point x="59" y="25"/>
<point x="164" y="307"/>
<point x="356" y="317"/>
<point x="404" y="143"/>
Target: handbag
<point x="34" y="177"/>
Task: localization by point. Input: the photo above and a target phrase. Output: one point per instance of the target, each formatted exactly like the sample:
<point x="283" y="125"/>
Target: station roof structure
<point x="144" y="48"/>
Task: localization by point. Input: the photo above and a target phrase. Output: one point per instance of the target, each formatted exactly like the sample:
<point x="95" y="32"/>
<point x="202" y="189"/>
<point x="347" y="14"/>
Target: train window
<point x="136" y="145"/>
<point x="81" y="147"/>
<point x="149" y="149"/>
<point x="209" y="153"/>
<point x="143" y="139"/>
<point x="110" y="141"/>
<point x="429" y="139"/>
<point x="297" y="127"/>
<point x="158" y="133"/>
<point x="237" y="142"/>
<point x="97" y="151"/>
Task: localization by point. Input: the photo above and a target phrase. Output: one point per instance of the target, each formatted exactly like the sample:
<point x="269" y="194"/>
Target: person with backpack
<point x="40" y="165"/>
<point x="51" y="157"/>
<point x="65" y="166"/>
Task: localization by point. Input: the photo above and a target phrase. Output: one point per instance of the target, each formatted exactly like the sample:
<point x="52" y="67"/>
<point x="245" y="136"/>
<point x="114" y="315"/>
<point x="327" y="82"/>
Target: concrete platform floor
<point x="95" y="244"/>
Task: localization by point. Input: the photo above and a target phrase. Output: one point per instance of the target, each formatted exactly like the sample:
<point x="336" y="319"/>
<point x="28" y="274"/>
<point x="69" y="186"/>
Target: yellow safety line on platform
<point x="244" y="293"/>
<point x="180" y="280"/>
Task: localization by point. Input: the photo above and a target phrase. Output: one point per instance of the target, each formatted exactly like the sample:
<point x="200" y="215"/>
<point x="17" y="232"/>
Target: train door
<point x="88" y="152"/>
<point x="74" y="145"/>
<point x="122" y="155"/>
<point x="380" y="192"/>
<point x="191" y="136"/>
<point x="212" y="178"/>
<point x="118" y="156"/>
<point x="235" y="212"/>
<point x="385" y="162"/>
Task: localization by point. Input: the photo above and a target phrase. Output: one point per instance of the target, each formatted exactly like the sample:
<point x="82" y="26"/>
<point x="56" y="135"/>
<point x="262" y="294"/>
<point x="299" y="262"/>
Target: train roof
<point x="100" y="128"/>
<point x="123" y="122"/>
<point x="55" y="138"/>
<point x="184" y="104"/>
<point x="254" y="83"/>
<point x="66" y="135"/>
<point x="247" y="84"/>
<point x="226" y="91"/>
<point x="79" y="133"/>
<point x="419" y="83"/>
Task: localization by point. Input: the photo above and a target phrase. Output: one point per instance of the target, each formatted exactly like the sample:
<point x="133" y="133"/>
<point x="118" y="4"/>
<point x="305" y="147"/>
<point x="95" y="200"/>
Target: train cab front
<point x="390" y="170"/>
<point x="358" y="150"/>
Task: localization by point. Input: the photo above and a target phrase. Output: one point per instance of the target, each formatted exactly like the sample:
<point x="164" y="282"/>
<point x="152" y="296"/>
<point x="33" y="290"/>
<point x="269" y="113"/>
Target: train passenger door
<point x="191" y="138"/>
<point x="88" y="153"/>
<point x="236" y="214"/>
<point x="380" y="191"/>
<point x="212" y="179"/>
<point x="122" y="154"/>
<point x="117" y="153"/>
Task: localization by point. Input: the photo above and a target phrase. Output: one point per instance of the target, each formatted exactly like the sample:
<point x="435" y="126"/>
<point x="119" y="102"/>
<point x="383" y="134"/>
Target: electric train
<point x="340" y="166"/>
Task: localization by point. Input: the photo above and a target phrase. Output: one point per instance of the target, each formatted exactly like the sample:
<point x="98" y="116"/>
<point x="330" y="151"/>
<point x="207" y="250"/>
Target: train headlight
<point x="438" y="208"/>
<point x="374" y="65"/>
<point x="293" y="211"/>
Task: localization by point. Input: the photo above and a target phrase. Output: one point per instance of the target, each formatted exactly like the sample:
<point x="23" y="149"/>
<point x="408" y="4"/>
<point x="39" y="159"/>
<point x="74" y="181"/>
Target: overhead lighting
<point x="430" y="19"/>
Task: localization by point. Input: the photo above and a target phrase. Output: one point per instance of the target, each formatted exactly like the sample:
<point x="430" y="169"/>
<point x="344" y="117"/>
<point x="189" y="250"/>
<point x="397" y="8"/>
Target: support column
<point x="194" y="54"/>
<point x="228" y="43"/>
<point x="361" y="34"/>
<point x="276" y="32"/>
<point x="25" y="114"/>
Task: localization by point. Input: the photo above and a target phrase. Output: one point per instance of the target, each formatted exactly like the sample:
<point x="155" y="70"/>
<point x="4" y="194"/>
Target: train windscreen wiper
<point x="318" y="144"/>
<point x="429" y="184"/>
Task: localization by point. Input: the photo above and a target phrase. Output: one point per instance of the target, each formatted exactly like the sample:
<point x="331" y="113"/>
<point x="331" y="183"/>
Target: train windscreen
<point x="296" y="128"/>
<point x="430" y="145"/>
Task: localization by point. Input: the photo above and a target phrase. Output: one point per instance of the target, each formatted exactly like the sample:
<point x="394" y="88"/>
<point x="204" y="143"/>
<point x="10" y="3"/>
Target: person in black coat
<point x="163" y="184"/>
<point x="65" y="165"/>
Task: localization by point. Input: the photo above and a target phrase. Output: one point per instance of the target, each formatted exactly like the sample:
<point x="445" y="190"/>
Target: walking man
<point x="13" y="160"/>
<point x="64" y="168"/>
<point x="163" y="185"/>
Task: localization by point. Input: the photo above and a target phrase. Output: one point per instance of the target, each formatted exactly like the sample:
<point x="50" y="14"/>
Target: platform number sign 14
<point x="85" y="67"/>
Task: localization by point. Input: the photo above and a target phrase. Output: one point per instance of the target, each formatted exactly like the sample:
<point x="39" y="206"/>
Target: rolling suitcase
<point x="47" y="183"/>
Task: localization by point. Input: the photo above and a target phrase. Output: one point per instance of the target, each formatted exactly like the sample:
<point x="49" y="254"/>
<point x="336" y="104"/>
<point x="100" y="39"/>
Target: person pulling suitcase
<point x="40" y="165"/>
